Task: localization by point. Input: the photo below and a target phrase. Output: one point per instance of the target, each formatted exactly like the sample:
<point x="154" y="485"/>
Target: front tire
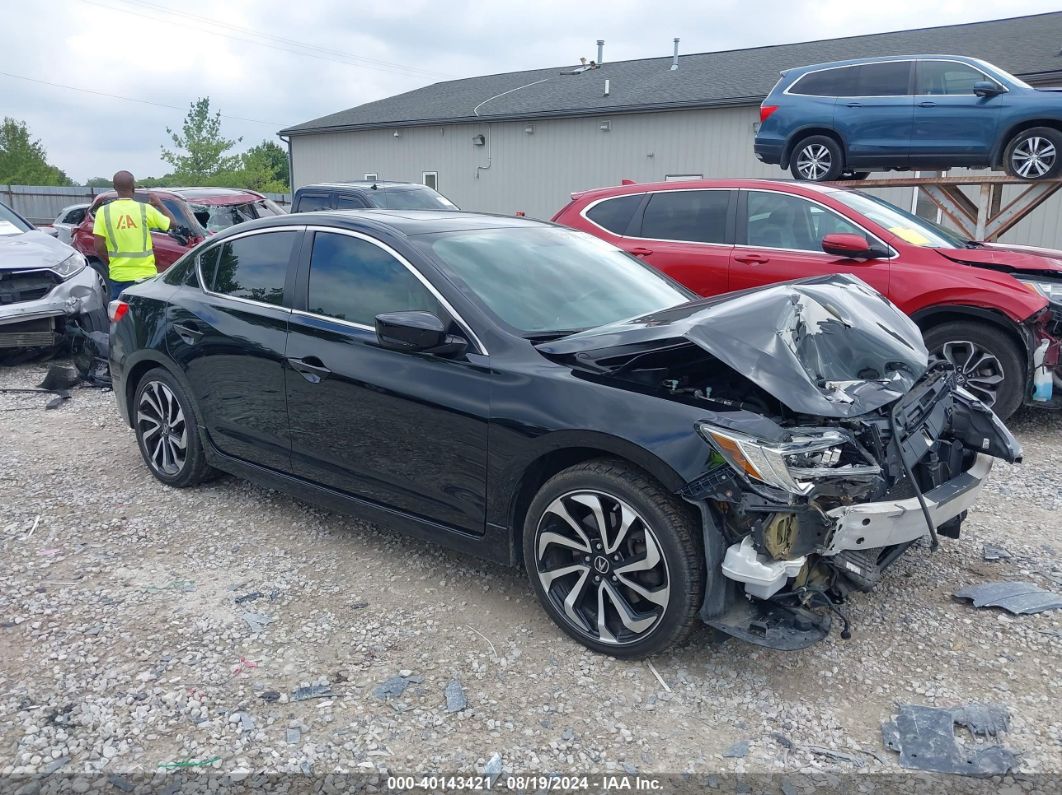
<point x="615" y="560"/>
<point x="988" y="362"/>
<point x="167" y="432"/>
<point x="1034" y="154"/>
<point x="817" y="158"/>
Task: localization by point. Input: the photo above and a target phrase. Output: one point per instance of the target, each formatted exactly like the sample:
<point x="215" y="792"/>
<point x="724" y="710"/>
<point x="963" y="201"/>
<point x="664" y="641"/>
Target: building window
<point x="371" y="177"/>
<point x="431" y="179"/>
<point x="682" y="177"/>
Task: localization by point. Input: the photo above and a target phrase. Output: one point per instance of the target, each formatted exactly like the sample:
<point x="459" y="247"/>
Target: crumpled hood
<point x="830" y="346"/>
<point x="1004" y="258"/>
<point x="31" y="249"/>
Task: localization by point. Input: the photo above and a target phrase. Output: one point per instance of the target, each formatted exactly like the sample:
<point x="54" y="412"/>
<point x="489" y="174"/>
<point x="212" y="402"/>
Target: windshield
<point x="542" y="280"/>
<point x="906" y="226"/>
<point x="11" y="224"/>
<point x="216" y="217"/>
<point x="409" y="199"/>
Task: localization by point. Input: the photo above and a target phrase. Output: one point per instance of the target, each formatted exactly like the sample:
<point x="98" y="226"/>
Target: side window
<point x="615" y="214"/>
<point x="946" y="77"/>
<point x="778" y="220"/>
<point x="75" y="216"/>
<point x="253" y="267"/>
<point x="354" y="280"/>
<point x="840" y="82"/>
<point x="698" y="216"/>
<point x="886" y="79"/>
<point x="309" y="202"/>
<point x="348" y="201"/>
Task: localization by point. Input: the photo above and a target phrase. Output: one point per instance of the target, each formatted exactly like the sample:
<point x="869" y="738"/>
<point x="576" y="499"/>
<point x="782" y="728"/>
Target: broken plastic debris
<point x="391" y="688"/>
<point x="1019" y="598"/>
<point x="841" y="755"/>
<point x="493" y="768"/>
<point x="59" y="378"/>
<point x="925" y="739"/>
<point x="269" y="696"/>
<point x="311" y="691"/>
<point x="455" y="697"/>
<point x="984" y="720"/>
<point x="992" y="552"/>
<point x="190" y="763"/>
<point x="738" y="750"/>
<point x="248" y="597"/>
<point x="257" y="621"/>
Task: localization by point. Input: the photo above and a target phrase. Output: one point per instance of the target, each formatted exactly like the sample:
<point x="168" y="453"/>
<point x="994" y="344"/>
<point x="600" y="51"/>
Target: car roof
<point x="786" y="186"/>
<point x="216" y="195"/>
<point x="879" y="59"/>
<point x="403" y="222"/>
<point x="363" y="184"/>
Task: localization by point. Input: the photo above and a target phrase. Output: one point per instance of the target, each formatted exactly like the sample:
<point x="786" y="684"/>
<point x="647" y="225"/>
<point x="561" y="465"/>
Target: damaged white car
<point x="46" y="291"/>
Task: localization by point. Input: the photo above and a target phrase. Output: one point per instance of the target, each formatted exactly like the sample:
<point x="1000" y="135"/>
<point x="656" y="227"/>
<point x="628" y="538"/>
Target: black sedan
<point x="528" y="393"/>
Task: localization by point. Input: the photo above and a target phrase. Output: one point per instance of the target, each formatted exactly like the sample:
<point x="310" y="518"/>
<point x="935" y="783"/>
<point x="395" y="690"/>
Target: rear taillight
<point x="118" y="310"/>
<point x="766" y="111"/>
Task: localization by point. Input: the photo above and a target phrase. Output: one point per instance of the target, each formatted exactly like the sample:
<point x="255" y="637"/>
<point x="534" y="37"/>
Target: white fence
<point x="40" y="204"/>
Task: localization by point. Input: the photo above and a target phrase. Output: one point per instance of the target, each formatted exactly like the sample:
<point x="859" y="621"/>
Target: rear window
<point x="309" y="202"/>
<point x="253" y="267"/>
<point x="410" y="199"/>
<point x="826" y="83"/>
<point x="615" y="214"/>
<point x="697" y="216"/>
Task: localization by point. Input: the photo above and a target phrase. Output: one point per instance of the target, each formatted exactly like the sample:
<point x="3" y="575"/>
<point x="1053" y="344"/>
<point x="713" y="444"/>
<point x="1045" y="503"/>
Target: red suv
<point x="994" y="312"/>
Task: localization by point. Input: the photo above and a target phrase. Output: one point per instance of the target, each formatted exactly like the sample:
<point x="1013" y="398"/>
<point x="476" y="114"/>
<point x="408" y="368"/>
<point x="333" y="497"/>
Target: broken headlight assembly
<point x="795" y="465"/>
<point x="69" y="266"/>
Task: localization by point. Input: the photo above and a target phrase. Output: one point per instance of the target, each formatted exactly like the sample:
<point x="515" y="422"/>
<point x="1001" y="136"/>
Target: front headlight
<point x="792" y="466"/>
<point x="1052" y="291"/>
<point x="69" y="266"/>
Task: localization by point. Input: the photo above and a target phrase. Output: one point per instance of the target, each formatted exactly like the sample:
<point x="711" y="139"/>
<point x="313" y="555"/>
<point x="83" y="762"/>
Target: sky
<point x="269" y="64"/>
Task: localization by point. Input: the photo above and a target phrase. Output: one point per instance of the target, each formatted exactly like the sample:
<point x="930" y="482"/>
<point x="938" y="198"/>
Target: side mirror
<point x="852" y="246"/>
<point x="417" y="332"/>
<point x="986" y="88"/>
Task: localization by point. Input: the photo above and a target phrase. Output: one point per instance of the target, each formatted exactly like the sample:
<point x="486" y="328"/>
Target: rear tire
<point x="817" y="158"/>
<point x="1034" y="154"/>
<point x="629" y="589"/>
<point x="989" y="363"/>
<point x="167" y="431"/>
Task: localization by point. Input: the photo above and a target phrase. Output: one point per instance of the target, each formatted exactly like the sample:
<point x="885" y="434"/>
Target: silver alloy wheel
<point x="601" y="567"/>
<point x="163" y="430"/>
<point x="979" y="371"/>
<point x="814" y="161"/>
<point x="1033" y="157"/>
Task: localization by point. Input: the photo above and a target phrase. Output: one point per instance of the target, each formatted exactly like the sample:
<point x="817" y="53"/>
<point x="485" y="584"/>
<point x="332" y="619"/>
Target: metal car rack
<point x="983" y="217"/>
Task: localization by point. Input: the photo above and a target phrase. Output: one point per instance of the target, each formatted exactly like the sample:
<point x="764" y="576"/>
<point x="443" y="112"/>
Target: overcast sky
<point x="276" y="62"/>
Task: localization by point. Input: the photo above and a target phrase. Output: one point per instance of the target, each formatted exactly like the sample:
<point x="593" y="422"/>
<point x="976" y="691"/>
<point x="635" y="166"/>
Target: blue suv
<point x="844" y="119"/>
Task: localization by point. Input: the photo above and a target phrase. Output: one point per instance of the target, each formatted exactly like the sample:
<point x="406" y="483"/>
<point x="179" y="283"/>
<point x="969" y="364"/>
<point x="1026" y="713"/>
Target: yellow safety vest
<point x="128" y="226"/>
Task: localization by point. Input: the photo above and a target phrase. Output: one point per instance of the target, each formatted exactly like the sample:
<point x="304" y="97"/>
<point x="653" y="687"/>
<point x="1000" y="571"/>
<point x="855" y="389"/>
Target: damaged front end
<point x="831" y="445"/>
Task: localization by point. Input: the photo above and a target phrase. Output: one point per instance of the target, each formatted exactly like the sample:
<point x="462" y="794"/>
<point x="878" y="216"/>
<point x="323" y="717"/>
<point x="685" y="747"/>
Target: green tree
<point x="199" y="152"/>
<point x="266" y="168"/>
<point x="23" y="160"/>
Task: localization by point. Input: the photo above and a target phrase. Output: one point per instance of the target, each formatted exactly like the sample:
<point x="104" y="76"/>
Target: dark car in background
<point x="381" y="194"/>
<point x="994" y="313"/>
<point x="529" y="393"/>
<point x="844" y="119"/>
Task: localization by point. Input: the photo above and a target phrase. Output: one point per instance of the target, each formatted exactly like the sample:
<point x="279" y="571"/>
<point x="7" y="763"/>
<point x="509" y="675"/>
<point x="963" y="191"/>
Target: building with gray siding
<point x="523" y="141"/>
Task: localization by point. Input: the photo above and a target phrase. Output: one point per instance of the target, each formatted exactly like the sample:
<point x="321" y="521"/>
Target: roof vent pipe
<point x="674" y="58"/>
<point x="600" y="51"/>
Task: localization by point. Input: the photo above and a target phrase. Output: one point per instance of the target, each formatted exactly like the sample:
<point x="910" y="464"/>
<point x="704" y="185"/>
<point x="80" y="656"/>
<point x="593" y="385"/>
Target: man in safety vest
<point x="122" y="234"/>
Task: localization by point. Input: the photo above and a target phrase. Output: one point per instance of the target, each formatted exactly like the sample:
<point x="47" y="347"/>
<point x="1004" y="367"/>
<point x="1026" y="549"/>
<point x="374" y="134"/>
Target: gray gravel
<point x="123" y="646"/>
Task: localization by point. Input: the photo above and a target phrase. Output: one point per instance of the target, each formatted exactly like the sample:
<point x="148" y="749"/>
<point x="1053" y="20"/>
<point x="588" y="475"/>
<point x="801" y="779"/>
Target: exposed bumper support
<point x="82" y="293"/>
<point x="881" y="524"/>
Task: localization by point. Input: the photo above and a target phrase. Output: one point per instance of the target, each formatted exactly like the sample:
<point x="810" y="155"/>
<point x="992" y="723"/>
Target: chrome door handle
<point x="311" y="368"/>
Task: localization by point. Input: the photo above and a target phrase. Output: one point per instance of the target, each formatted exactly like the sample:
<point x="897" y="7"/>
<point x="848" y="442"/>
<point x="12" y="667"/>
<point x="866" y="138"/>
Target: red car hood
<point x="1010" y="259"/>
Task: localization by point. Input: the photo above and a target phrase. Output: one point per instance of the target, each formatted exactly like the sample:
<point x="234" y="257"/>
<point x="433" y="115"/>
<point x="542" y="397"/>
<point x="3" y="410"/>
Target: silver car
<point x="68" y="220"/>
<point x="46" y="288"/>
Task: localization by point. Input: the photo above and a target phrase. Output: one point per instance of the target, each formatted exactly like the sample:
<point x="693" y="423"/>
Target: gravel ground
<point x="142" y="626"/>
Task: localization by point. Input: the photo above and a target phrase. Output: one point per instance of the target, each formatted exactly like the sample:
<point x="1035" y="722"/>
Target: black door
<point x="404" y="430"/>
<point x="230" y="340"/>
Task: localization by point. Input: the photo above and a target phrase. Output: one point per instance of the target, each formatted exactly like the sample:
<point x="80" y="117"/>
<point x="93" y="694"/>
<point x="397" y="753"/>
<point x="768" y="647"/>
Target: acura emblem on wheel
<point x="600" y="564"/>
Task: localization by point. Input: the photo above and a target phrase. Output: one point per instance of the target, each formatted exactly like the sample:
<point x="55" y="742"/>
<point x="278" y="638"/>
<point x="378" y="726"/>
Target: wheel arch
<point x="1016" y="128"/>
<point x="798" y="136"/>
<point x="933" y="316"/>
<point x="151" y="360"/>
<point x="560" y="457"/>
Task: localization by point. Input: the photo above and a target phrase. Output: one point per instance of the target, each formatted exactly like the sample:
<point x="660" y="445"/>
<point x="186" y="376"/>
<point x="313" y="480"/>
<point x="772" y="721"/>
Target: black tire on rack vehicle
<point x="817" y="158"/>
<point x="1034" y="154"/>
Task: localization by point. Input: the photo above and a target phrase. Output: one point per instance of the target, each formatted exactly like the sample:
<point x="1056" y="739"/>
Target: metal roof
<point x="1025" y="46"/>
